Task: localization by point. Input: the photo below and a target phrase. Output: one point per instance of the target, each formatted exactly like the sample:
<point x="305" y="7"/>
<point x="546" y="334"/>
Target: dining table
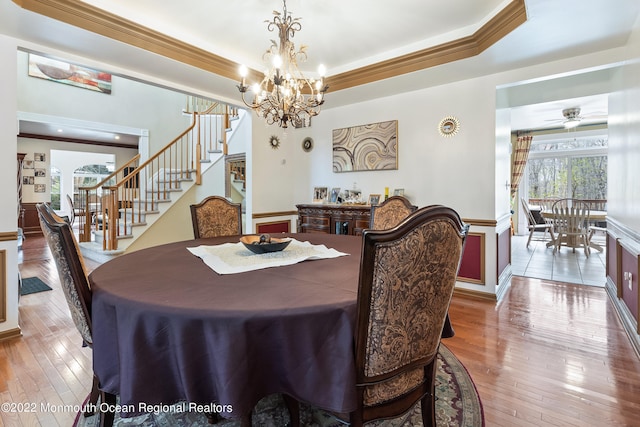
<point x="595" y="216"/>
<point x="167" y="328"/>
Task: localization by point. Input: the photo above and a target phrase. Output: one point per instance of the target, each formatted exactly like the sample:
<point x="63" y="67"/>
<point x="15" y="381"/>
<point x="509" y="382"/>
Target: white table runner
<point x="230" y="258"/>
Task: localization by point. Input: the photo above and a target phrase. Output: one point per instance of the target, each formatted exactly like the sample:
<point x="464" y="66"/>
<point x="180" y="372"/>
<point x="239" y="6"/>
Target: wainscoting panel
<point x="472" y="265"/>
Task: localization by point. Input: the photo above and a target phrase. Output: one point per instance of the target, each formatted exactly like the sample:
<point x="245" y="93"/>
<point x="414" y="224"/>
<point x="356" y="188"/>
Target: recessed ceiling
<point x="341" y="34"/>
<point x="76" y="134"/>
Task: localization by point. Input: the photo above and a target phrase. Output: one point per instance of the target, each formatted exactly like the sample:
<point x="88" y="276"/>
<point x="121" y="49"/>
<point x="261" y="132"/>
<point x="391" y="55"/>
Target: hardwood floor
<point x="550" y="353"/>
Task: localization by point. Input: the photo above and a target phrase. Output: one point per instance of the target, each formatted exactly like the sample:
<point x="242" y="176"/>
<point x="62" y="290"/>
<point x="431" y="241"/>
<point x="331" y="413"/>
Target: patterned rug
<point x="457" y="404"/>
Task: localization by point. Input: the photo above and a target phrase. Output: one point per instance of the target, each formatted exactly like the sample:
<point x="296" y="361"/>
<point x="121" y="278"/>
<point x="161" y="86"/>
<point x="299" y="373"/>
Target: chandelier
<point x="285" y="96"/>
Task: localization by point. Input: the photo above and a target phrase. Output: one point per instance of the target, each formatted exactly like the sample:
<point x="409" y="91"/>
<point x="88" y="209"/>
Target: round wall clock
<point x="449" y="126"/>
<point x="274" y="142"/>
<point x="307" y="144"/>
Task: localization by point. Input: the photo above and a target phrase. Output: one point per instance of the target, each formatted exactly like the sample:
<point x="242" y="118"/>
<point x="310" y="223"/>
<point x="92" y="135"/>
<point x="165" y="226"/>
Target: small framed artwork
<point x="40" y="188"/>
<point x="40" y="172"/>
<point x="27" y="180"/>
<point x="320" y="194"/>
<point x="398" y="192"/>
<point x="39" y="157"/>
<point x="27" y="164"/>
<point x="374" y="199"/>
<point x="335" y="193"/>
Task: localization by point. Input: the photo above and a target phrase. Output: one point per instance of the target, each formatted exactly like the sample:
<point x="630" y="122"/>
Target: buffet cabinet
<point x="333" y="219"/>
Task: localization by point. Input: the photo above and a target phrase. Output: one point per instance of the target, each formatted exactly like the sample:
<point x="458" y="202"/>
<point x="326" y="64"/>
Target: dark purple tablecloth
<point x="167" y="328"/>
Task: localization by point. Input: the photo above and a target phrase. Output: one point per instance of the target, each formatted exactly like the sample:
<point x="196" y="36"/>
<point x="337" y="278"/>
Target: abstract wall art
<point x="366" y="147"/>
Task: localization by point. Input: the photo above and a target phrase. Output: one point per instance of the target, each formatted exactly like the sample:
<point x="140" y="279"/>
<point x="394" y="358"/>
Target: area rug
<point x="457" y="405"/>
<point x="32" y="285"/>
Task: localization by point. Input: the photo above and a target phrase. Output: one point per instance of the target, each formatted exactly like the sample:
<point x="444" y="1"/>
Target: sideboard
<point x="333" y="219"/>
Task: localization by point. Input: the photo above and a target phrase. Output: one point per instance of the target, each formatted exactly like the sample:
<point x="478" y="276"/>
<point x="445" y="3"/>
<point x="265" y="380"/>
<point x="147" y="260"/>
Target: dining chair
<point x="407" y="277"/>
<point x="534" y="226"/>
<point x="571" y="224"/>
<point x="216" y="216"/>
<point x="75" y="286"/>
<point x="390" y="213"/>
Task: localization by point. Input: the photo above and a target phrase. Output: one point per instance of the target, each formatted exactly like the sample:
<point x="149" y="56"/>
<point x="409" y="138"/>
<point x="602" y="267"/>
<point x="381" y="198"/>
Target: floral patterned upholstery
<point x="216" y="216"/>
<point x="407" y="278"/>
<point x="70" y="265"/>
<point x="413" y="282"/>
<point x="390" y="213"/>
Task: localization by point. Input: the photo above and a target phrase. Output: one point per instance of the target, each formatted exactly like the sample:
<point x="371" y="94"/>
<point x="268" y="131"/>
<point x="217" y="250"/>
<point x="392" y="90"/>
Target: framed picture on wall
<point x="27" y="180"/>
<point x="39" y="157"/>
<point x="41" y="172"/>
<point x="27" y="164"/>
<point x="40" y="188"/>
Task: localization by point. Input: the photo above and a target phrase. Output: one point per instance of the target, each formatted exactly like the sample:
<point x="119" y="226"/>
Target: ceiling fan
<point x="572" y="117"/>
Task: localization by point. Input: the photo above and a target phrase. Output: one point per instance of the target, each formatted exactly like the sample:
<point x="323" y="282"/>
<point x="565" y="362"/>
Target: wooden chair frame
<point x="390" y="213"/>
<point x="375" y="241"/>
<point x="52" y="224"/>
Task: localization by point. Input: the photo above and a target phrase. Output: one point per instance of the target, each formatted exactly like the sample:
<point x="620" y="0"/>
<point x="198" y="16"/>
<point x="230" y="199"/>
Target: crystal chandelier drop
<point x="285" y="96"/>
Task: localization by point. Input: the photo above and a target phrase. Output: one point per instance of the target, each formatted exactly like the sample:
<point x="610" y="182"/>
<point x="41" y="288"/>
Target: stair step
<point x="164" y="190"/>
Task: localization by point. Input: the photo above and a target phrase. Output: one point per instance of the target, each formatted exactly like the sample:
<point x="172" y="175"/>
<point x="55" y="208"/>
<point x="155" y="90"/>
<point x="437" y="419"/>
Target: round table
<point x="167" y="328"/>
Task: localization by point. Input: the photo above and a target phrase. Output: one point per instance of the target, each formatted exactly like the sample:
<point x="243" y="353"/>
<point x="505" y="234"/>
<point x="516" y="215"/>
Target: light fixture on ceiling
<point x="573" y="117"/>
<point x="285" y="96"/>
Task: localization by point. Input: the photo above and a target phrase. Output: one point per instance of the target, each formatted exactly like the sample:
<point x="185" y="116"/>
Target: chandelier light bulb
<point x="244" y="71"/>
<point x="277" y="61"/>
<point x="322" y="70"/>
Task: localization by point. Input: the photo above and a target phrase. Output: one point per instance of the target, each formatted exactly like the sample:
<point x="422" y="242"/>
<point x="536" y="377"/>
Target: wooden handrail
<point x="89" y="195"/>
<point x="127" y="202"/>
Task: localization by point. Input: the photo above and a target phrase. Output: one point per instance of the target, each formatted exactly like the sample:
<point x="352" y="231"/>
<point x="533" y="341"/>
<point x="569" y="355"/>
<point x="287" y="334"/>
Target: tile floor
<point x="565" y="266"/>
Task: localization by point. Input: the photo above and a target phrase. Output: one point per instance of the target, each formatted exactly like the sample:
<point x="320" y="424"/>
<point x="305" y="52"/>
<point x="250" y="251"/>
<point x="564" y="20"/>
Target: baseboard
<point x="470" y="293"/>
<point x="629" y="323"/>
<point x="11" y="333"/>
<point x="504" y="282"/>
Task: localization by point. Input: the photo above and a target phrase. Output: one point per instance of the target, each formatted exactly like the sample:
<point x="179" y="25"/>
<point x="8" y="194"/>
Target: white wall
<point x="624" y="141"/>
<point x="468" y="172"/>
<point x="131" y="103"/>
<point x="8" y="176"/>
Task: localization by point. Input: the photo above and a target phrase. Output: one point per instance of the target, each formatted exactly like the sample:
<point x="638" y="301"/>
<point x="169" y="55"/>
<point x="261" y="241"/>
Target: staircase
<point x="125" y="204"/>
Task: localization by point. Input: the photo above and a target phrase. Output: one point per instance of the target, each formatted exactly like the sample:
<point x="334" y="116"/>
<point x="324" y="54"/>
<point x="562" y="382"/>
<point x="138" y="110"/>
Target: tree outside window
<point x="573" y="167"/>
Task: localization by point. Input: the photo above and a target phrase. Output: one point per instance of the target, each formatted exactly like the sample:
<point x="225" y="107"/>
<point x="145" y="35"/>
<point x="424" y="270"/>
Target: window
<point x="55" y="188"/>
<point x="88" y="176"/>
<point x="568" y="166"/>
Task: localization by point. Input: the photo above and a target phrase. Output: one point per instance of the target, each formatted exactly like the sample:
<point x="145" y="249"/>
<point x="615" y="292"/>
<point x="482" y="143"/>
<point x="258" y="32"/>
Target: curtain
<point x="519" y="161"/>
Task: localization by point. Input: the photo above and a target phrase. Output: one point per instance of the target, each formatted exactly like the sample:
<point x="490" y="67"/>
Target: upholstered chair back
<point x="390" y="213"/>
<point x="71" y="269"/>
<point x="407" y="278"/>
<point x="216" y="216"/>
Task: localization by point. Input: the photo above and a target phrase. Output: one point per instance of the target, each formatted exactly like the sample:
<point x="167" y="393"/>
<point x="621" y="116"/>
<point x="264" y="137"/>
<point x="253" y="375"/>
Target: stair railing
<point x="126" y="203"/>
<point x="89" y="200"/>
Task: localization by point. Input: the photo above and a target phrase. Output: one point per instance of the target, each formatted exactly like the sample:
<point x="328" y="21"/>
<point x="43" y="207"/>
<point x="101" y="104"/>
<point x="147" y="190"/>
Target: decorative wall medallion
<point x="449" y="126"/>
<point x="274" y="142"/>
<point x="307" y="144"/>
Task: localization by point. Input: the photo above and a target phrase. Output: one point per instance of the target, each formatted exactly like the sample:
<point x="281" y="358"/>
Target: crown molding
<point x="96" y="20"/>
<point x="509" y="18"/>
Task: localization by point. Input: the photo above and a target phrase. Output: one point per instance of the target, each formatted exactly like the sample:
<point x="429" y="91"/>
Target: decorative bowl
<point x="262" y="244"/>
